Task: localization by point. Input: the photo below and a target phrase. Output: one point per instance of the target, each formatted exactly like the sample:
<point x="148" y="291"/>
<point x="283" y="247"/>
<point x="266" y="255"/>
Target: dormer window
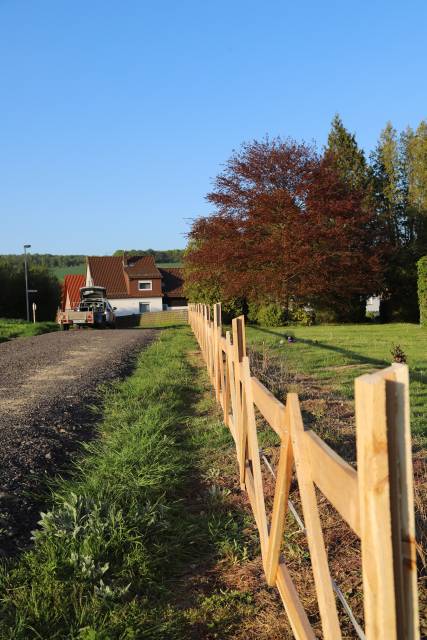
<point x="145" y="285"/>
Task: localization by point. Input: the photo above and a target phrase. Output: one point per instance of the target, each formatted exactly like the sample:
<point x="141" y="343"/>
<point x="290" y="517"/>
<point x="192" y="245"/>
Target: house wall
<point x="156" y="287"/>
<point x="373" y="304"/>
<point x="89" y="280"/>
<point x="130" y="306"/>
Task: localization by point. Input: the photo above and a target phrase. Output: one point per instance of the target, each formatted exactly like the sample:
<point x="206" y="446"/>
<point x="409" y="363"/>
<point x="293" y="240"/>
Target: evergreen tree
<point x="399" y="167"/>
<point x="415" y="151"/>
<point x="386" y="165"/>
<point x="347" y="157"/>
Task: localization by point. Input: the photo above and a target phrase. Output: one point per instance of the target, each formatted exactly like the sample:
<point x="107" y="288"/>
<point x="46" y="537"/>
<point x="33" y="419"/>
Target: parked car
<point x="93" y="310"/>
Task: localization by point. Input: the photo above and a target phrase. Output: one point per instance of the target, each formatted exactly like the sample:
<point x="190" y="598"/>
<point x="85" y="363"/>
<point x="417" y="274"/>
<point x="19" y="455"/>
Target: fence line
<point x="376" y="501"/>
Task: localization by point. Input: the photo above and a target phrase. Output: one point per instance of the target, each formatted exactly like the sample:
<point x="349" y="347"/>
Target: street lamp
<point x="26" y="246"/>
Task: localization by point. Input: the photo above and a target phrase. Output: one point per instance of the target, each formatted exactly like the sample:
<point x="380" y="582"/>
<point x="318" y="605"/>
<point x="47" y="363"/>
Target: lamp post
<point x="26" y="246"/>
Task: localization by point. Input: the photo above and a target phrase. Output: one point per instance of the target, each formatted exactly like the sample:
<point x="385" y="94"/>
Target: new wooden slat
<point x="242" y="449"/>
<point x="297" y="616"/>
<point x="232" y="429"/>
<point x="232" y="385"/>
<point x="250" y="488"/>
<point x="270" y="407"/>
<point x="393" y="424"/>
<point x="336" y="479"/>
<point x="240" y="408"/>
<point x="224" y="384"/>
<point x="375" y="519"/>
<point x="404" y="451"/>
<point x="403" y="530"/>
<point x="280" y="504"/>
<point x="253" y="450"/>
<point x="215" y="352"/>
<point x="241" y="335"/>
<point x="319" y="559"/>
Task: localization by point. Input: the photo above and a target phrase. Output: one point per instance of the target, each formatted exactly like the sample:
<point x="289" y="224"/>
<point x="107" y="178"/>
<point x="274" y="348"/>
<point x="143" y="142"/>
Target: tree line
<point x="53" y="261"/>
<point x="48" y="260"/>
<point x="160" y="255"/>
<point x="303" y="233"/>
<point x="12" y="290"/>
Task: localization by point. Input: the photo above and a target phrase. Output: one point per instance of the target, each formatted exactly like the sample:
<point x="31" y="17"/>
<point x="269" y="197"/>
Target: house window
<point x="144" y="307"/>
<point x="145" y="285"/>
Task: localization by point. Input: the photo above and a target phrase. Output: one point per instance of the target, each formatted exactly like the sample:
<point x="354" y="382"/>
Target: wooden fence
<point x="376" y="500"/>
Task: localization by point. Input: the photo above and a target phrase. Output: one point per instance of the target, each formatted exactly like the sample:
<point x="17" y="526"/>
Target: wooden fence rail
<point x="376" y="501"/>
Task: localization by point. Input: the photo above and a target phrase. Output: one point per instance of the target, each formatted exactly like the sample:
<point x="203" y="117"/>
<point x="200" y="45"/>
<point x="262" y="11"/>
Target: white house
<point x="135" y="285"/>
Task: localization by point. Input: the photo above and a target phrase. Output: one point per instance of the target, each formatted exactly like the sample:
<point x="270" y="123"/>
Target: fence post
<point x="399" y="425"/>
<point x="386" y="505"/>
<point x="216" y="349"/>
<point x="239" y="352"/>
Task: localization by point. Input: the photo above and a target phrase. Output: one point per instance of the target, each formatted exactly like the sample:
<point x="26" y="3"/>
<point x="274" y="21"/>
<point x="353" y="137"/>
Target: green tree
<point x="399" y="167"/>
<point x="12" y="291"/>
<point x="348" y="158"/>
<point x="389" y="191"/>
<point x="415" y="154"/>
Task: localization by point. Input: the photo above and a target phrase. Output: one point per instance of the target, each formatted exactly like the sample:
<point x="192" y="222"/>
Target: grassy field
<point x="61" y="272"/>
<point x="19" y="328"/>
<point x="130" y="546"/>
<point x="335" y="355"/>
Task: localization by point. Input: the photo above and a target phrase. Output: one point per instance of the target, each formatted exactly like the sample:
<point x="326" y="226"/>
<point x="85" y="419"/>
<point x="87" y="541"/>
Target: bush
<point x="271" y="315"/>
<point x="302" y="315"/>
<point x="232" y="309"/>
<point x="253" y="308"/>
<point x="422" y="289"/>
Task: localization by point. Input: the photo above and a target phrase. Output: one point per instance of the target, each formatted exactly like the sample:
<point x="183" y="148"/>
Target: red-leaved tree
<point x="286" y="228"/>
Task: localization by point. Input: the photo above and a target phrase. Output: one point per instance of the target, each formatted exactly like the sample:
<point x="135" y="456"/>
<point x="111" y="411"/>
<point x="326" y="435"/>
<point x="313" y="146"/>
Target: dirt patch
<point x="49" y="393"/>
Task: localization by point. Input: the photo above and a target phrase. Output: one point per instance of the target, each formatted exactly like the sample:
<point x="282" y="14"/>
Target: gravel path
<point x="46" y="386"/>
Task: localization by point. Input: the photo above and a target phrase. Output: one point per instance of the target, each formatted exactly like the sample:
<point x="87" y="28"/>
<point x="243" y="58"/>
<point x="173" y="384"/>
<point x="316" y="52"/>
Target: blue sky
<point x="115" y="116"/>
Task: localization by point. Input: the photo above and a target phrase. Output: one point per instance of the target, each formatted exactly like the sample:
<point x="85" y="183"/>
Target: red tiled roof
<point x="141" y="267"/>
<point x="107" y="271"/>
<point x="173" y="282"/>
<point x="71" y="286"/>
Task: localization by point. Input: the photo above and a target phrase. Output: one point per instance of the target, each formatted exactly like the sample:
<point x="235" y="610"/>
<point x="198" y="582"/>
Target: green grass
<point x="112" y="554"/>
<point x="336" y="354"/>
<point x="61" y="272"/>
<point x="10" y="328"/>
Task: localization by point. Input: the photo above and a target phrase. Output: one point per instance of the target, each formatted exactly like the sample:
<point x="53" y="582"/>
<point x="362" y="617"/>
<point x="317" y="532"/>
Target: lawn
<point x="10" y="328"/>
<point x="336" y="354"/>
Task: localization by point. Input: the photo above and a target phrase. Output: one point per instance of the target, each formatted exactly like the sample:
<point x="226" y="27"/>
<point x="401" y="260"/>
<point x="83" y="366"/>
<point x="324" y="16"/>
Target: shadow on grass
<point x="353" y="355"/>
<point x="214" y="522"/>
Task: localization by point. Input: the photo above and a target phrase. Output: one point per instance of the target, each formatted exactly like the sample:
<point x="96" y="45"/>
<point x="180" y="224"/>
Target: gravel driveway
<point x="46" y="386"/>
